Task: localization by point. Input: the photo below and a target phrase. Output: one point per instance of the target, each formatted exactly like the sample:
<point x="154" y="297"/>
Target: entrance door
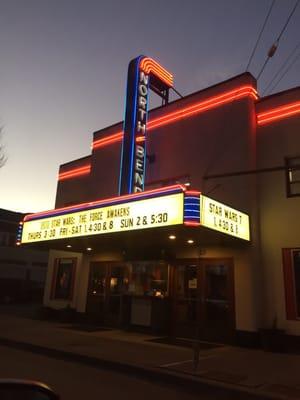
<point x="107" y="284"/>
<point x="204" y="300"/>
<point x="117" y="287"/>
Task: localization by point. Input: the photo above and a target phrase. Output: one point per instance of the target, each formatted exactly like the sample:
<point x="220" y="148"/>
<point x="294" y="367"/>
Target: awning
<point x="147" y="218"/>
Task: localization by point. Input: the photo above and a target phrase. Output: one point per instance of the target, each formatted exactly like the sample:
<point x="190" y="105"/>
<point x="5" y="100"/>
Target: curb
<point x="183" y="381"/>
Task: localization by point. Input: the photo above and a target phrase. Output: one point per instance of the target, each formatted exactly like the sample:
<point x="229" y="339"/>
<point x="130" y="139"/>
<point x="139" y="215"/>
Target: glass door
<point x="218" y="302"/>
<point x="204" y="300"/>
<point x="118" y="286"/>
<point x="108" y="282"/>
<point x="96" y="295"/>
<point x="187" y="299"/>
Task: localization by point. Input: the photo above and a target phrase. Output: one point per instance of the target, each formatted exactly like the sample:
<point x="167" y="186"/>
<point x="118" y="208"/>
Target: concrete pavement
<point x="243" y="373"/>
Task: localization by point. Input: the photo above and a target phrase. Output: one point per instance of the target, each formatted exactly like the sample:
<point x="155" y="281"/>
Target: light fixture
<point x="69" y="246"/>
<point x="89" y="249"/>
<point x="187" y="184"/>
<point x="190" y="241"/>
<point x="172" y="237"/>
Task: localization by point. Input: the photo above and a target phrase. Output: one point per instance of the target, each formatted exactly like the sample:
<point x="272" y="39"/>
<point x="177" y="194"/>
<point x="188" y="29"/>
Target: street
<point x="124" y="364"/>
<point x="74" y="381"/>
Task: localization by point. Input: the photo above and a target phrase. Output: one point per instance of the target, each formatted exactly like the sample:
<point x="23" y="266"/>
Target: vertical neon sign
<point x="143" y="74"/>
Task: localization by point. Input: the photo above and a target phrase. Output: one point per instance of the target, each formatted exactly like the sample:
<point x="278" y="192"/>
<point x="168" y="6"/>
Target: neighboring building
<point x="22" y="271"/>
<point x="194" y="273"/>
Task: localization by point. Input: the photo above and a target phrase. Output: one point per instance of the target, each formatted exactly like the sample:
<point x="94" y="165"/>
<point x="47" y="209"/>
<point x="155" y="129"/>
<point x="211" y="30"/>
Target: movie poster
<point x="65" y="269"/>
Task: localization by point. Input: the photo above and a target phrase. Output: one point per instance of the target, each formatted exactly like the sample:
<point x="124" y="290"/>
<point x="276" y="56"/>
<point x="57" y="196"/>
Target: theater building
<point x="183" y="219"/>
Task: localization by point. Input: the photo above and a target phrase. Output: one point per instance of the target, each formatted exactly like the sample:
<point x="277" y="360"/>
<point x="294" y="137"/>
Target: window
<point x="136" y="279"/>
<point x="293" y="176"/>
<point x="148" y="279"/>
<point x="291" y="270"/>
<point x="63" y="278"/>
<point x="98" y="275"/>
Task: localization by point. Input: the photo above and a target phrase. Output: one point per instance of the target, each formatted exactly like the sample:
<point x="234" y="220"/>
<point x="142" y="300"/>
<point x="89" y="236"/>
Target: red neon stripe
<point x="116" y="137"/>
<point x="162" y="77"/>
<point x="86" y="167"/>
<point x="191" y="112"/>
<point x="185" y="112"/>
<point x="159" y="71"/>
<point x="278" y="113"/>
<point x="246" y="90"/>
<point x="205" y="105"/>
<point x="190" y="223"/>
<point x="192" y="192"/>
<point x="100" y="202"/>
<point x="72" y="175"/>
<point x="149" y="65"/>
<point x="281" y="108"/>
<point x="277" y="117"/>
<point x="74" y="172"/>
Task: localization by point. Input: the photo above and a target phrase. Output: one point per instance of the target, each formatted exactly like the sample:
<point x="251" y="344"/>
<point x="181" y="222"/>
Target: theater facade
<point x="183" y="219"/>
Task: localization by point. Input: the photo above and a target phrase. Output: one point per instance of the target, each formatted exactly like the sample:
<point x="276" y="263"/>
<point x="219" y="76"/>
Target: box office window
<point x="148" y="279"/>
<point x="291" y="269"/>
<point x="63" y="278"/>
<point x="97" y="279"/>
<point x="136" y="279"/>
<point x="293" y="176"/>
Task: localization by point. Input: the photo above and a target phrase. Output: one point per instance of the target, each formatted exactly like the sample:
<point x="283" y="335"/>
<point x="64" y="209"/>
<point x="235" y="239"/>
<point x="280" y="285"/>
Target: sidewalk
<point x="229" y="368"/>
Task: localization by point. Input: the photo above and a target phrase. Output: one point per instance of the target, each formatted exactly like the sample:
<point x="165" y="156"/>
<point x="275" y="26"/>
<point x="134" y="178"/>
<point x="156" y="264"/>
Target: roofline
<point x="278" y="94"/>
<point x="76" y="159"/>
<point x="185" y="97"/>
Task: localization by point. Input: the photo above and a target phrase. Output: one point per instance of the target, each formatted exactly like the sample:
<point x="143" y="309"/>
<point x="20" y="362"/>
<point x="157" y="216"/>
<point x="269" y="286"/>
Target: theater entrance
<point x="130" y="294"/>
<point x="203" y="304"/>
<point x="107" y="284"/>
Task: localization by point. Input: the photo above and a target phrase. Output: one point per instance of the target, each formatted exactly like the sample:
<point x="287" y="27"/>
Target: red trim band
<point x="191" y="223"/>
<point x="278" y="113"/>
<point x="186" y="112"/>
<point x="75" y="172"/>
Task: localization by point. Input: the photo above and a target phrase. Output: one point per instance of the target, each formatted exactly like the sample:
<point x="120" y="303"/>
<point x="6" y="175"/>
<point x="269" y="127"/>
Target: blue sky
<point x="64" y="64"/>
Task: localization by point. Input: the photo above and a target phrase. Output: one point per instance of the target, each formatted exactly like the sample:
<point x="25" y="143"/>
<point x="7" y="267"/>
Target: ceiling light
<point x="89" y="249"/>
<point x="190" y="241"/>
<point x="69" y="246"/>
<point x="172" y="237"/>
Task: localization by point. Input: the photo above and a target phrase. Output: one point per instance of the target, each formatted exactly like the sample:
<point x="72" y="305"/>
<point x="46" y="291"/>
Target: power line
<point x="263" y="67"/>
<point x="274" y="47"/>
<point x="285" y="72"/>
<point x="260" y="34"/>
<point x="288" y="20"/>
<point x="281" y="68"/>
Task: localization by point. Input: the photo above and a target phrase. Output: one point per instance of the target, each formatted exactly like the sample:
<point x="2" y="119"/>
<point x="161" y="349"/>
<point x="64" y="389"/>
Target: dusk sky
<point x="64" y="64"/>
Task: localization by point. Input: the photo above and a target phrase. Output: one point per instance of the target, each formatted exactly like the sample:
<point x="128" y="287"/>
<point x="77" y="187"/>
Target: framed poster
<point x="64" y="277"/>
